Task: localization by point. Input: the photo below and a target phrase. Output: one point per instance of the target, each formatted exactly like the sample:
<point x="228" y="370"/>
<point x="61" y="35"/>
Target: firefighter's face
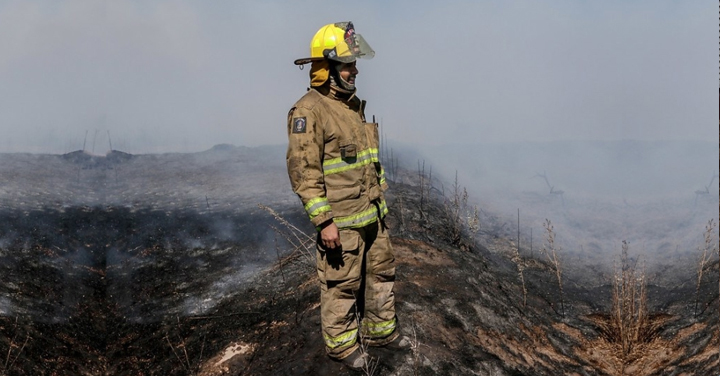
<point x="347" y="72"/>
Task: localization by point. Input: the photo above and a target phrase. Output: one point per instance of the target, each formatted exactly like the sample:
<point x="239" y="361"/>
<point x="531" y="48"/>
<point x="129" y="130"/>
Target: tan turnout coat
<point x="332" y="159"/>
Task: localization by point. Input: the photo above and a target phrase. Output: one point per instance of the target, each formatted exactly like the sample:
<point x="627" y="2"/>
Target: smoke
<point x="183" y="76"/>
<point x="658" y="196"/>
<point x="6" y="306"/>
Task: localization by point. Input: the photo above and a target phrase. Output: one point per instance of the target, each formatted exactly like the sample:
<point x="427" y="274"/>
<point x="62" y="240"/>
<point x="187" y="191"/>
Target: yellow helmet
<point x="337" y="41"/>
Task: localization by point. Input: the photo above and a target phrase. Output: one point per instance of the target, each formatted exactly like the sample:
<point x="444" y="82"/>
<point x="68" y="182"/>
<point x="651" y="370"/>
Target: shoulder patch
<point x="299" y="125"/>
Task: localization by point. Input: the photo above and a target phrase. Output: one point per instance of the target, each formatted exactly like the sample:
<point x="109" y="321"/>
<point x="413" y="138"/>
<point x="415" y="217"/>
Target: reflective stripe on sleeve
<point x="375" y="155"/>
<point x="381" y="175"/>
<point x="317" y="206"/>
<point x="343" y="340"/>
<point x="380" y="329"/>
<point x="383" y="208"/>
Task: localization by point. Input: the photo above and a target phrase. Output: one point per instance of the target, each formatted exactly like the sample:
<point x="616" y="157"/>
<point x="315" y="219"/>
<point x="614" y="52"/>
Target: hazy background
<point x="614" y="101"/>
<point x="185" y="75"/>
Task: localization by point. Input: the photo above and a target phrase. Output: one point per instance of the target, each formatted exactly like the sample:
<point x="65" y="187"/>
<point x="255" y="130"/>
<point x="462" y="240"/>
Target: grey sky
<point x="183" y="76"/>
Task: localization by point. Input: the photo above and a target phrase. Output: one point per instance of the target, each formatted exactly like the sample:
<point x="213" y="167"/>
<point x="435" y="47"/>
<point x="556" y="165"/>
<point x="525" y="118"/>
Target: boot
<point x="401" y="343"/>
<point x="357" y="360"/>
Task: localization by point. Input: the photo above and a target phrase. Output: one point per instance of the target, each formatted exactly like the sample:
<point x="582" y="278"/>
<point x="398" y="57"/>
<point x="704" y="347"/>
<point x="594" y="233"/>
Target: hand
<point x="330" y="236"/>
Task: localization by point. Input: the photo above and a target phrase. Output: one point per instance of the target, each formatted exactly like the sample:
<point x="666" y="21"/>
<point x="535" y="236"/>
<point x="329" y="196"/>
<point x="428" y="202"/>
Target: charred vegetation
<point x="188" y="276"/>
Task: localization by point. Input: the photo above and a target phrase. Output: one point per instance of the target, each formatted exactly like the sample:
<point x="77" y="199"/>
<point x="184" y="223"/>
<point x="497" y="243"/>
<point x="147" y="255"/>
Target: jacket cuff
<point x="322" y="217"/>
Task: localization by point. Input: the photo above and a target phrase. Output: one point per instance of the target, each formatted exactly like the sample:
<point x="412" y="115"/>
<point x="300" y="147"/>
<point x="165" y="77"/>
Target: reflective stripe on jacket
<point x="333" y="161"/>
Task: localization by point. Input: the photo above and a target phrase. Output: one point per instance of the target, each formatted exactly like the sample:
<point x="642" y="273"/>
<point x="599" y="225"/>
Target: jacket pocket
<point x="337" y="194"/>
<point x="343" y="264"/>
<point x="348" y="152"/>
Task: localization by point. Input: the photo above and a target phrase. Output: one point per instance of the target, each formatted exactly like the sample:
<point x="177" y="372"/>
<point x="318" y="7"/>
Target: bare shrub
<point x="423" y="193"/>
<point x="550" y="251"/>
<point x="704" y="260"/>
<point x="629" y="324"/>
<point x="460" y="215"/>
<point x="401" y="213"/>
<point x="553" y="191"/>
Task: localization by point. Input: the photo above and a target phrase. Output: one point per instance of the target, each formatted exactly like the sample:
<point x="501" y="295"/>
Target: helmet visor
<point x="353" y="46"/>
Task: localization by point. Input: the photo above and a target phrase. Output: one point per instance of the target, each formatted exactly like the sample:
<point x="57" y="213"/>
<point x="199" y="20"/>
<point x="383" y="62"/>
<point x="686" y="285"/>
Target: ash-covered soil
<point x="165" y="265"/>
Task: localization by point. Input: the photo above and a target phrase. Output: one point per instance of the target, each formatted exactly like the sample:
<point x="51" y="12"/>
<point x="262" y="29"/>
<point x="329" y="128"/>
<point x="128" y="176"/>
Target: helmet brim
<point x="307" y="60"/>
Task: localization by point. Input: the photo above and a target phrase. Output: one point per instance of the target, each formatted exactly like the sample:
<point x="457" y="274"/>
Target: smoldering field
<point x="97" y="251"/>
<point x="116" y="214"/>
<point x="657" y="196"/>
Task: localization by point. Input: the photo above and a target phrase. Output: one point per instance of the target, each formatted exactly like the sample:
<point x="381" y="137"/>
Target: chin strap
<point x="341" y="85"/>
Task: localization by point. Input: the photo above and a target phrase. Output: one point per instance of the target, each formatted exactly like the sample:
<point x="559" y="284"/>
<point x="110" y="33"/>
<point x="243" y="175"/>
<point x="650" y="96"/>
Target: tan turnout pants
<point x="356" y="285"/>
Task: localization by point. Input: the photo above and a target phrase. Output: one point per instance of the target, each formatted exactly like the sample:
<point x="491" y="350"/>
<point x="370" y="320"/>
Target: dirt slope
<point x="464" y="309"/>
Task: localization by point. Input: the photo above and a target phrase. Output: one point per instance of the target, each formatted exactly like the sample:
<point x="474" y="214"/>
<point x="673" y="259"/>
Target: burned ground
<point x="105" y="274"/>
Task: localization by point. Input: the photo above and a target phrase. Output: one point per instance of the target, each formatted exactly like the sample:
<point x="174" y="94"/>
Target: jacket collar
<point x="334" y="92"/>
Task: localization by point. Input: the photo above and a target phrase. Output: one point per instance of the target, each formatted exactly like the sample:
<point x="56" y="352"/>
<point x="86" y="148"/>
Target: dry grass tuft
<point x="179" y="349"/>
<point x="629" y="335"/>
<point x="520" y="268"/>
<point x="301" y="243"/>
<point x="550" y="251"/>
<point x="370" y="366"/>
<point x="520" y="263"/>
<point x="10" y="359"/>
<point x="415" y="348"/>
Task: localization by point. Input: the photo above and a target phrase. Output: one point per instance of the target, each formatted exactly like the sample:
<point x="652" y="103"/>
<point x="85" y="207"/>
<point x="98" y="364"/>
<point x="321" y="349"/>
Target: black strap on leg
<point x="381" y="219"/>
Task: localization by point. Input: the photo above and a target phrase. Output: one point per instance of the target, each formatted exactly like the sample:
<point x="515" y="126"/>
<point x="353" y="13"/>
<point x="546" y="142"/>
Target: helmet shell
<point x="338" y="41"/>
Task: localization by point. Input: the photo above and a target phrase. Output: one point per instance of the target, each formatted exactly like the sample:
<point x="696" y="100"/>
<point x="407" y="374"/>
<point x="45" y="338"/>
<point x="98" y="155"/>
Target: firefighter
<point x="333" y="165"/>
